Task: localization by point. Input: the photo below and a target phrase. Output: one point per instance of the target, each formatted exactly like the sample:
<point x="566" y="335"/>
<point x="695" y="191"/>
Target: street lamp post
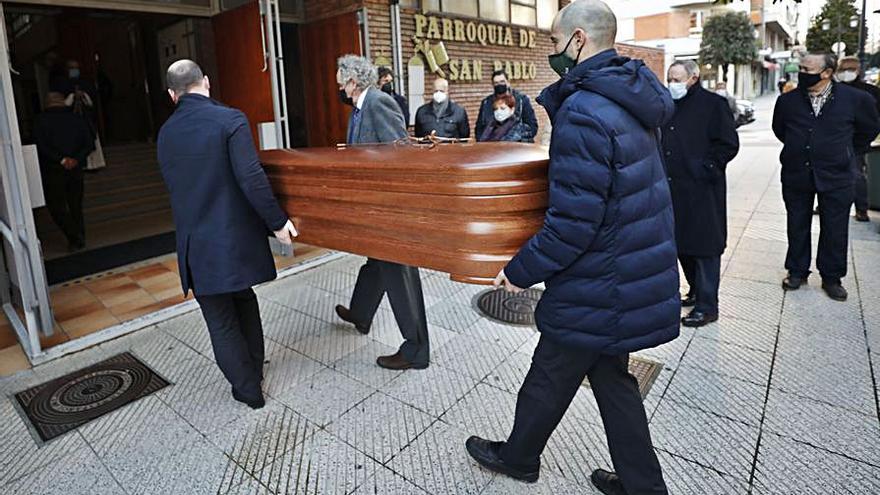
<point x="854" y="21"/>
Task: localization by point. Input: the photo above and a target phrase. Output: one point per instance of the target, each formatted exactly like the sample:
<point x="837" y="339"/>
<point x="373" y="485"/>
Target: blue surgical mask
<point x="678" y="90"/>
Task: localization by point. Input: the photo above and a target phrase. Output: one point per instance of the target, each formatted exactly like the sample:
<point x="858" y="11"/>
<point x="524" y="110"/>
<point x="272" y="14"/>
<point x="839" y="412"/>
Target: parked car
<point x="745" y="112"/>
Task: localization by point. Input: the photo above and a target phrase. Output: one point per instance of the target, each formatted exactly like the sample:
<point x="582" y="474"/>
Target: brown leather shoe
<point x="396" y="361"/>
<point x="345" y="314"/>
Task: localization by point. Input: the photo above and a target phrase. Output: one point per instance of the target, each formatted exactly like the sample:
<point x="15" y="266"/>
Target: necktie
<point x="353" y="123"/>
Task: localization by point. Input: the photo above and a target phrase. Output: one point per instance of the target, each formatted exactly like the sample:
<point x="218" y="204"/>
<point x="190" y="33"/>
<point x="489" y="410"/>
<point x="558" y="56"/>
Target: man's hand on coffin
<point x="501" y="281"/>
<point x="287" y="233"/>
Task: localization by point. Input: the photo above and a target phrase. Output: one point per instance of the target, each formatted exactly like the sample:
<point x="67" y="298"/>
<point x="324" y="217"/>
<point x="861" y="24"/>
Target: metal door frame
<point x="20" y="231"/>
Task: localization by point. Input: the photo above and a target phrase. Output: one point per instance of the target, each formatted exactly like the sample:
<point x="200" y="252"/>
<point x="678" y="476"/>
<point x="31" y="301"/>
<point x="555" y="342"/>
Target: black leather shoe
<point x="607" y="482"/>
<point x="345" y="314"/>
<point x="793" y="282"/>
<point x="488" y="455"/>
<point x="698" y="319"/>
<point x="835" y="291"/>
<point x="689" y="301"/>
<point x="252" y="403"/>
<point x="862" y="216"/>
<point x="396" y="361"/>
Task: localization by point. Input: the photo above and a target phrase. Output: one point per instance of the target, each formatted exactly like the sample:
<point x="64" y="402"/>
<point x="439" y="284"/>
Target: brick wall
<point x="469" y="94"/>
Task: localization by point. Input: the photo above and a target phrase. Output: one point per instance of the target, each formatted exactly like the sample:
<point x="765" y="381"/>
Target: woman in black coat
<point x="698" y="143"/>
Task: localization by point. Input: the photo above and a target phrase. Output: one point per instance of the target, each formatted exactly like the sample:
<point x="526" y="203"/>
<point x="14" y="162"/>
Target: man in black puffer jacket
<point x="606" y="252"/>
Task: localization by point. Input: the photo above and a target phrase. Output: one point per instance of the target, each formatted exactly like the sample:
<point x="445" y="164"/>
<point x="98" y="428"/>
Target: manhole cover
<point x="63" y="404"/>
<point x="507" y="307"/>
<point x="645" y="371"/>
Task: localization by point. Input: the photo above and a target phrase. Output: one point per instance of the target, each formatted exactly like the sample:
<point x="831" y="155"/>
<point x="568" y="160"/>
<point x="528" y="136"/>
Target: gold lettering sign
<point x="441" y="29"/>
<point x="445" y="29"/>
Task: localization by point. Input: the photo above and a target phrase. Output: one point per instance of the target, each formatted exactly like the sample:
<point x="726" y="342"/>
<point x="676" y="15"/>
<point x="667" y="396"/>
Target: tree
<point x="728" y="38"/>
<point x="838" y="13"/>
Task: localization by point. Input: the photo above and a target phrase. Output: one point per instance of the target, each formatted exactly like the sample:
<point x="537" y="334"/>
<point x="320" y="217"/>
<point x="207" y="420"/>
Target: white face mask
<point x="502" y="114"/>
<point x="440" y="97"/>
<point x="722" y="92"/>
<point x="847" y="76"/>
<point x="678" y="90"/>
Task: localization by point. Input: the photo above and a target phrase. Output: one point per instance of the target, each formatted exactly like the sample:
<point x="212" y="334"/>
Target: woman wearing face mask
<point x="504" y="127"/>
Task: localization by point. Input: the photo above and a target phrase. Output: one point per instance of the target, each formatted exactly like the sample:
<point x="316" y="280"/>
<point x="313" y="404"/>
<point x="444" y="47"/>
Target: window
<point x="536" y="13"/>
<point x="698" y="17"/>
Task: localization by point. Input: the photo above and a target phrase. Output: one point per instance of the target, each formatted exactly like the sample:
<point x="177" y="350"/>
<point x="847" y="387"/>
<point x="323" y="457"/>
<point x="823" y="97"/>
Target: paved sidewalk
<point x="779" y="396"/>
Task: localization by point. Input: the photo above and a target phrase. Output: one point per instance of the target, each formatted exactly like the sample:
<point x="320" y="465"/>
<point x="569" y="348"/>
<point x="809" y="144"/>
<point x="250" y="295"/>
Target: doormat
<point x="66" y="403"/>
<point x="645" y="371"/>
<point x="507" y="307"/>
<point x="84" y="263"/>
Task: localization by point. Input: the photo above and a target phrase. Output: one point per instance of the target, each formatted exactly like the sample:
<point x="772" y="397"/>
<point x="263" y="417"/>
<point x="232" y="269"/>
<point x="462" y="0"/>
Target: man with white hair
<point x="223" y="205"/>
<point x="698" y="143"/>
<point x="606" y="253"/>
<point x="376" y="119"/>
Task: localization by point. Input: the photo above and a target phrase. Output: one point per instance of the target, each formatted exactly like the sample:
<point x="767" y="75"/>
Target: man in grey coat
<point x="375" y="119"/>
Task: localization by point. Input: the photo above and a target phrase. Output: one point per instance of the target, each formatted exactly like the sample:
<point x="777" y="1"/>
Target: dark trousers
<point x="860" y="167"/>
<point x="834" y="209"/>
<point x="237" y="338"/>
<point x="703" y="277"/>
<point x="553" y="380"/>
<point x="404" y="288"/>
<point x="64" y="199"/>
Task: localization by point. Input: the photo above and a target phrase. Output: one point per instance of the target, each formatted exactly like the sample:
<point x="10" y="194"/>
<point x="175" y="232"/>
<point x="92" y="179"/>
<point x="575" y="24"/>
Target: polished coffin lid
<point x="463" y="209"/>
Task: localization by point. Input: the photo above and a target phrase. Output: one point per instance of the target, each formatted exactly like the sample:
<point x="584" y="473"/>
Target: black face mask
<point x="807" y="81"/>
<point x="344" y="98"/>
<point x="388" y="88"/>
<point x="501" y="89"/>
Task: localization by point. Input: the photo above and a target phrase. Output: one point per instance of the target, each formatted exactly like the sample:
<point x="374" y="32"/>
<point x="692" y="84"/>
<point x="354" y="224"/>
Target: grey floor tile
<point x="361" y="365"/>
<point x="575" y="449"/>
<point x="259" y="438"/>
<point x="453" y="315"/>
<point x="729" y="359"/>
<point x="438" y="463"/>
<point x="306" y="299"/>
<point x="694" y="434"/>
<point x="331" y="345"/>
<point x="208" y="408"/>
<point x="386" y="482"/>
<point x="485" y="411"/>
<point x="470" y="355"/>
<point x="322" y="464"/>
<point x="720" y="394"/>
<point x="751" y="309"/>
<point x="688" y="478"/>
<point x="433" y="390"/>
<point x="325" y="396"/>
<point x="745" y="333"/>
<point x="78" y="472"/>
<point x="785" y="467"/>
<point x="509" y="336"/>
<point x="286" y="326"/>
<point x="769" y="293"/>
<point x="509" y="375"/>
<point x="20" y="454"/>
<point x="285" y="369"/>
<point x="549" y="483"/>
<point x="191" y="330"/>
<point x="670" y="353"/>
<point x="856" y="435"/>
<point x="381" y="426"/>
<point x="337" y="282"/>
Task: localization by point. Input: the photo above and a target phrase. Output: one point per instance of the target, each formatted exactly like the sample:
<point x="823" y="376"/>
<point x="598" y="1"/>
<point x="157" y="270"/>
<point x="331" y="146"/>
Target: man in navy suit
<point x="223" y="210"/>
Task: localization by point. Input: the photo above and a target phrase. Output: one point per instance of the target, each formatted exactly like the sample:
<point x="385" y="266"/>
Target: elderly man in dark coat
<point x="823" y="125"/>
<point x="698" y="143"/>
<point x="377" y="119"/>
<point x="606" y="253"/>
<point x="223" y="208"/>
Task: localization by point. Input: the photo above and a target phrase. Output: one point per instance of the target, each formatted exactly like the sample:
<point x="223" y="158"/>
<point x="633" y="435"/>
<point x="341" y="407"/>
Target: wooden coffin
<point x="463" y="209"/>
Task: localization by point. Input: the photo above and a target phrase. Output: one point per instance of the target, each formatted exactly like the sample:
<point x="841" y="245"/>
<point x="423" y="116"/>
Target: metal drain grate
<point x="507" y="307"/>
<point x="645" y="371"/>
<point x="68" y="402"/>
